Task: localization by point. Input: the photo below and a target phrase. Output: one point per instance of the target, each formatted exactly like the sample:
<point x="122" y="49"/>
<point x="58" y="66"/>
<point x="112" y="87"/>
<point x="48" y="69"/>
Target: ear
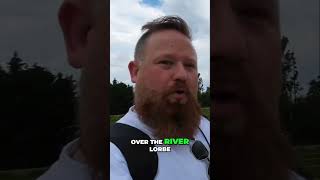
<point x="133" y="69"/>
<point x="75" y="23"/>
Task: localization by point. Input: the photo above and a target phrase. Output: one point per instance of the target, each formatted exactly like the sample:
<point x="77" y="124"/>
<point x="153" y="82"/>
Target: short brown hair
<point x="162" y="23"/>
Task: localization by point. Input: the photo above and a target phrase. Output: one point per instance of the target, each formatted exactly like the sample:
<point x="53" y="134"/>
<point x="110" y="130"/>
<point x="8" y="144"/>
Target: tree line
<point x="300" y="113"/>
<point x="38" y="110"/>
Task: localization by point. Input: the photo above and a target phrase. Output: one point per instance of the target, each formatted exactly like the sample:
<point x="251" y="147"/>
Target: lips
<point x="227" y="104"/>
<point x="180" y="91"/>
<point x="178" y="95"/>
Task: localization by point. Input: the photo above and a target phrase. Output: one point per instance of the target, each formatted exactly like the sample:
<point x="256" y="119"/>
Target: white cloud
<point x="127" y="17"/>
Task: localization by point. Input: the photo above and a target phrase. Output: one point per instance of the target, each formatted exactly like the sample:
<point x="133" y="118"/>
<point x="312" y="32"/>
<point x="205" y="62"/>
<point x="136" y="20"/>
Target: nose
<point x="229" y="49"/>
<point x="229" y="37"/>
<point x="180" y="73"/>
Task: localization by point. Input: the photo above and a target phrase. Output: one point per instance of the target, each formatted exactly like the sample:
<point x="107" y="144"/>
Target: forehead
<point x="169" y="41"/>
<point x="260" y="2"/>
<point x="268" y="4"/>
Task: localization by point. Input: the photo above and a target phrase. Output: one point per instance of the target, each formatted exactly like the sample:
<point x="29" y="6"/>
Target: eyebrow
<point x="269" y="6"/>
<point x="169" y="56"/>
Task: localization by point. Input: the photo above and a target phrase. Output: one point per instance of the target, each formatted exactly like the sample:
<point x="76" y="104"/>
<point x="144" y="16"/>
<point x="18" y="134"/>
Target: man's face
<point x="245" y="70"/>
<point x="167" y="83"/>
<point x="245" y="64"/>
<point x="169" y="58"/>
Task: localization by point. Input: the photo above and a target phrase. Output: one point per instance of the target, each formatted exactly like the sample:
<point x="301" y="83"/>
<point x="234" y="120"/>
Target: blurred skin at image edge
<point x="84" y="26"/>
<point x="246" y="77"/>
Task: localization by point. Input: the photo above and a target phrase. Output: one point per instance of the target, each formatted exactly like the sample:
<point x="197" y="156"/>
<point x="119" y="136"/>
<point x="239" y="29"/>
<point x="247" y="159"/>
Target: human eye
<point x="166" y="63"/>
<point x="190" y="65"/>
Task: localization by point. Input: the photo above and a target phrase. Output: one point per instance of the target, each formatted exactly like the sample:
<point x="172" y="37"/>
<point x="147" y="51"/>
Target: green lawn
<point x="309" y="160"/>
<point x="114" y="118"/>
<point x="22" y="174"/>
<point x="206" y="112"/>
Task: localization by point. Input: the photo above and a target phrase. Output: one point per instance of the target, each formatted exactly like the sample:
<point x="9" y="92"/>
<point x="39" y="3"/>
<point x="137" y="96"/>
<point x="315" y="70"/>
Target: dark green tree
<point x="314" y="90"/>
<point x="290" y="85"/>
<point x="15" y="64"/>
<point x="203" y="96"/>
<point x="37" y="111"/>
<point x="121" y="97"/>
<point x="299" y="114"/>
<point x="200" y="84"/>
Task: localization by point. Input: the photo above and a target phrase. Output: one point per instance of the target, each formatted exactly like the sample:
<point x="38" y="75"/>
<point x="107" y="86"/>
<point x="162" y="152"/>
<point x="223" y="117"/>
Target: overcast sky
<point x="125" y="30"/>
<point x="300" y="23"/>
<point x="31" y="28"/>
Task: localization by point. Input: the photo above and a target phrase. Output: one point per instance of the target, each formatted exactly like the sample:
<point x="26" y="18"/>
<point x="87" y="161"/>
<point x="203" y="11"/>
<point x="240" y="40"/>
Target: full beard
<point x="168" y="119"/>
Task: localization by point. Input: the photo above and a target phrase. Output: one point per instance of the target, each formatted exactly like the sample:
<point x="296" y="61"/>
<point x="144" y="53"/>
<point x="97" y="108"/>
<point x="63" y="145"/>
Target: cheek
<point x="265" y="64"/>
<point x="155" y="79"/>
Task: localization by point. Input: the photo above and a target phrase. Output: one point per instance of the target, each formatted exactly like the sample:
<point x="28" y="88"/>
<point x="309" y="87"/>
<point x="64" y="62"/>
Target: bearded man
<point x="246" y="75"/>
<point x="165" y="72"/>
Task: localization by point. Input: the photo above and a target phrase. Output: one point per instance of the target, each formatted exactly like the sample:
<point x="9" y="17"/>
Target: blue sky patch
<point x="152" y="3"/>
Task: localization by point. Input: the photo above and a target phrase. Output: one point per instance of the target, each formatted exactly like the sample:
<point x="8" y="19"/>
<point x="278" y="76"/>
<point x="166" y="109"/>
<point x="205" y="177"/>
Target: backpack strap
<point x="142" y="163"/>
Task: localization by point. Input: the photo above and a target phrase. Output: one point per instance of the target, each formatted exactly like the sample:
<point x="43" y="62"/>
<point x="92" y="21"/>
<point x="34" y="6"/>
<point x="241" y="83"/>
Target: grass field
<point x="114" y="118"/>
<point x="22" y="174"/>
<point x="309" y="158"/>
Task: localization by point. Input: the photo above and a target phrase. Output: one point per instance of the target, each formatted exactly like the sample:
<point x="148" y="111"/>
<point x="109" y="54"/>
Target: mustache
<point x="224" y="65"/>
<point x="227" y="72"/>
<point x="222" y="62"/>
<point x="178" y="86"/>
